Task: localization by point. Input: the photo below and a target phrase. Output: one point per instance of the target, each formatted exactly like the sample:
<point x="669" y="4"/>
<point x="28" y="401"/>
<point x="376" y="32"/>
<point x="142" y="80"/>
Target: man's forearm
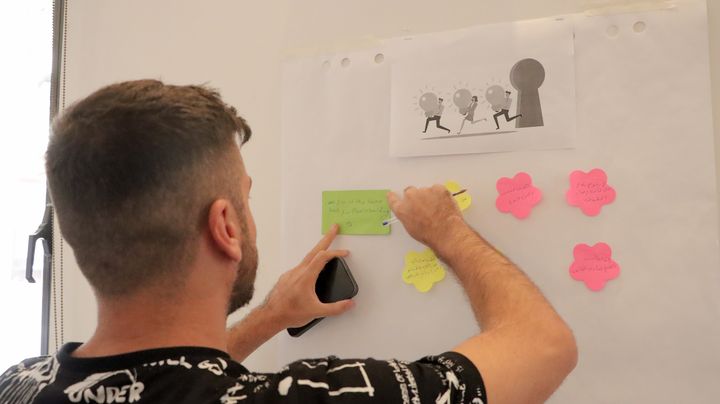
<point x="251" y="332"/>
<point x="498" y="290"/>
<point x="525" y="350"/>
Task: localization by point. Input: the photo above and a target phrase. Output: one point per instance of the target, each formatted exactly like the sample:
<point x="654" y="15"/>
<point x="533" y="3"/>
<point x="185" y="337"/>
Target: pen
<point x="394" y="219"/>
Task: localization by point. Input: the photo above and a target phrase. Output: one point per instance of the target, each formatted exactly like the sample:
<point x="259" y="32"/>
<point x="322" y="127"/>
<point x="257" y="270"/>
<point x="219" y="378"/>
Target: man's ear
<point x="223" y="224"/>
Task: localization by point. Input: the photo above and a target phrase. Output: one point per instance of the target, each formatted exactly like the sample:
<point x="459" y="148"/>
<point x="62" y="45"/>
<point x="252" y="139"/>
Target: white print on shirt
<point x="251" y="378"/>
<point x="170" y="362"/>
<point x="233" y="395"/>
<point x="261" y="382"/>
<point x="367" y="389"/>
<point x="25" y="383"/>
<point x="317" y="364"/>
<point x="83" y="391"/>
<point x="460" y="387"/>
<point x="284" y="386"/>
<point x="218" y="369"/>
<point x="453" y="382"/>
<point x="406" y="381"/>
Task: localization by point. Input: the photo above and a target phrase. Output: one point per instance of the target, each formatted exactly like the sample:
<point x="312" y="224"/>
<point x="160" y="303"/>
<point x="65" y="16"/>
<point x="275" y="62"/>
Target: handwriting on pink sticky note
<point x="594" y="265"/>
<point x="517" y="195"/>
<point x="590" y="191"/>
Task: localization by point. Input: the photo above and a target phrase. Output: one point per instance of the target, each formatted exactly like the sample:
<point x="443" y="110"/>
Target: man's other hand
<point x="430" y="215"/>
<point x="293" y="302"/>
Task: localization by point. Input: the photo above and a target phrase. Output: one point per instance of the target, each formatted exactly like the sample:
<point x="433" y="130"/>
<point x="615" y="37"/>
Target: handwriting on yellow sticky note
<point x="464" y="199"/>
<point x="422" y="270"/>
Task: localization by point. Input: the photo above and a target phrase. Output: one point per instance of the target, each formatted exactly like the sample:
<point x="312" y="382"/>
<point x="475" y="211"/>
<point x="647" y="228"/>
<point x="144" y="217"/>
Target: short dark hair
<point x="132" y="170"/>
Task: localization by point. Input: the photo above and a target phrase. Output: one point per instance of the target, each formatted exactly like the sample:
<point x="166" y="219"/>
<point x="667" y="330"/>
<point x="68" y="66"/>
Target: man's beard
<point x="244" y="285"/>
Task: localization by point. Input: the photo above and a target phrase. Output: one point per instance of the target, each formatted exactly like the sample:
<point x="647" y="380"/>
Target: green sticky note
<point x="357" y="212"/>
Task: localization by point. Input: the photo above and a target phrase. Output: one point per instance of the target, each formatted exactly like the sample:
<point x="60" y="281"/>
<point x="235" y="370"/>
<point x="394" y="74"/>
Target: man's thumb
<point x="337" y="308"/>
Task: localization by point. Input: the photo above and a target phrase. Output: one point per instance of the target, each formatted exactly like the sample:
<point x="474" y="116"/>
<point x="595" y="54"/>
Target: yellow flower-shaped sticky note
<point x="463" y="200"/>
<point x="422" y="269"/>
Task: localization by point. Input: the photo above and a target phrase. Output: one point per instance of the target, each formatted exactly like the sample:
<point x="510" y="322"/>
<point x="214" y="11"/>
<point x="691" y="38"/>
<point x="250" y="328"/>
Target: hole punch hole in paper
<point x="517" y="195"/>
<point x="594" y="265"/>
<point x="463" y="200"/>
<point x="590" y="191"/>
<point x="345" y="62"/>
<point x="379" y="58"/>
<point x="422" y="270"/>
<point x="612" y="31"/>
<point x="639" y="27"/>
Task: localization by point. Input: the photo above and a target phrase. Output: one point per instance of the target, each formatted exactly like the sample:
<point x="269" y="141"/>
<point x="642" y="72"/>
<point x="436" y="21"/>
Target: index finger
<point x="318" y="262"/>
<point x="323" y="244"/>
<point x="392" y="199"/>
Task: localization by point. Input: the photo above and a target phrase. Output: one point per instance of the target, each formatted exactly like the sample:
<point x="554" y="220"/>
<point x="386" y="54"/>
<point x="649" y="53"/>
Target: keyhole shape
<point x="527" y="76"/>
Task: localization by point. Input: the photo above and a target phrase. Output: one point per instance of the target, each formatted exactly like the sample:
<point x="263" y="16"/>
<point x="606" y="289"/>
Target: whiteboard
<point x="643" y="115"/>
<point x="239" y="46"/>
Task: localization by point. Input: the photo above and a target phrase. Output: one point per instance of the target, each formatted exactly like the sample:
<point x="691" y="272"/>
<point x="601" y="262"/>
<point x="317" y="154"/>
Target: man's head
<point x="136" y="172"/>
<point x="440" y="100"/>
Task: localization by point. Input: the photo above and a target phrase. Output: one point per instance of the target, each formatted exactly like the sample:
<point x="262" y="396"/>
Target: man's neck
<point x="146" y="322"/>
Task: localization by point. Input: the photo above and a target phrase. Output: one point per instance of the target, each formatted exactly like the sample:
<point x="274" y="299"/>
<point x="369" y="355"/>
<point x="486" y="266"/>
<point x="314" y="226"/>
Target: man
<point x="504" y="109"/>
<point x="150" y="191"/>
<point x="436" y="117"/>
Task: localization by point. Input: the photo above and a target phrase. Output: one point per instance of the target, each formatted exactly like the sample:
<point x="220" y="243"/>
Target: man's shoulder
<point x="39" y="367"/>
<point x="22" y="382"/>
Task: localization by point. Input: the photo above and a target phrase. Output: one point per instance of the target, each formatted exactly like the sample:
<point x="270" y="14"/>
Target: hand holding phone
<point x="335" y="283"/>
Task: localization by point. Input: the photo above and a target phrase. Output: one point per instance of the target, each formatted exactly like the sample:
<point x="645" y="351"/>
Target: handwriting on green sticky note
<point x="357" y="212"/>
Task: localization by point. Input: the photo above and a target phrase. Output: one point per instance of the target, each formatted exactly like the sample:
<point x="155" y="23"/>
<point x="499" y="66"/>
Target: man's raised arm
<point x="525" y="350"/>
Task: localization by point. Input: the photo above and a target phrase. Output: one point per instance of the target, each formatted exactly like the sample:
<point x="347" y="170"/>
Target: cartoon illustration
<point x="527" y="76"/>
<point x="470" y="114"/>
<point x="433" y="107"/>
<point x="500" y="103"/>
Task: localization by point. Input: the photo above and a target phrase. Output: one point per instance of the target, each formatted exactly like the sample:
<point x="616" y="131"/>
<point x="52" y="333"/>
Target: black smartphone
<point x="335" y="283"/>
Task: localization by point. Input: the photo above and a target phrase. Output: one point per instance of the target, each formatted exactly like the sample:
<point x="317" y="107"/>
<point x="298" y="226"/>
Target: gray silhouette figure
<point x="435" y="116"/>
<point x="527" y="76"/>
<point x="470" y="114"/>
<point x="504" y="109"/>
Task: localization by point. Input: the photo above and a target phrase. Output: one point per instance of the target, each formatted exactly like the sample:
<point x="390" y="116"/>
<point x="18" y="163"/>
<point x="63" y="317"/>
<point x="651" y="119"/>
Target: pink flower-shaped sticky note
<point x="590" y="191"/>
<point x="594" y="265"/>
<point x="517" y="195"/>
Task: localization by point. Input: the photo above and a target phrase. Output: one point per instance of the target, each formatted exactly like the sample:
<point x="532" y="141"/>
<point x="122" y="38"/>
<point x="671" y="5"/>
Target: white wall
<point x="197" y="42"/>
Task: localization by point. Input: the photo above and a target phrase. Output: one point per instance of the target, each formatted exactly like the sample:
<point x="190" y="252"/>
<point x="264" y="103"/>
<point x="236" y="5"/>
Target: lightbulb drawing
<point x="428" y="102"/>
<point x="495" y="96"/>
<point x="461" y="99"/>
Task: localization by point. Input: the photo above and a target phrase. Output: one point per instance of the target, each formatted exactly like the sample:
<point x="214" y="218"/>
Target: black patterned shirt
<point x="205" y="375"/>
